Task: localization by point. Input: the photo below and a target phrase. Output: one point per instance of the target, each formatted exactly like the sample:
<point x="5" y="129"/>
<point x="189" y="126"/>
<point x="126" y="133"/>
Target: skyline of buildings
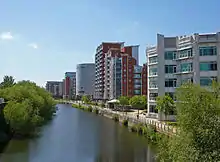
<point x="170" y="63"/>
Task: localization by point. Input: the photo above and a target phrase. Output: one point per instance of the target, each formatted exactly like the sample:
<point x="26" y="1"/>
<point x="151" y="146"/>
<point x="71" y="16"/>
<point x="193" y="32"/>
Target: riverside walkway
<point x="159" y="125"/>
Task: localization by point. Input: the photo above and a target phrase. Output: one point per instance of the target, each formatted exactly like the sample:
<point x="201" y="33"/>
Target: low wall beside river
<point x="159" y="126"/>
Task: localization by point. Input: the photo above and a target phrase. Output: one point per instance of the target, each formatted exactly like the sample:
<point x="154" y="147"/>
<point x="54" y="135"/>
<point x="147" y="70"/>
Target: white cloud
<point x="6" y="36"/>
<point x="33" y="45"/>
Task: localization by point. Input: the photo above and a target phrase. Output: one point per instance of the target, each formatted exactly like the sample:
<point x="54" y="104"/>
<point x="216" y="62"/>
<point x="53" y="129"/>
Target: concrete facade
<point x="85" y="79"/>
<point x="176" y="60"/>
<point x="55" y="88"/>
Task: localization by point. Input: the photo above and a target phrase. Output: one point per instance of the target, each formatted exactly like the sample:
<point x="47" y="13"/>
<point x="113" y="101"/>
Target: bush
<point x="89" y="108"/>
<point x="96" y="111"/>
<point x="140" y="128"/>
<point x="134" y="128"/>
<point x="29" y="106"/>
<point x="125" y="122"/>
<point x="102" y="105"/>
<point x="116" y="118"/>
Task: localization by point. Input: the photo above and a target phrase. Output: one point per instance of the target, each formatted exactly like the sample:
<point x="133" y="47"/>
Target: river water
<point x="77" y="136"/>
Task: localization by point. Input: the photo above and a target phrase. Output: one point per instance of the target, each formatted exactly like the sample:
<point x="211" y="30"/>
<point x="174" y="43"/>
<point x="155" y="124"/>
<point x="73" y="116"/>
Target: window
<point x="153" y="109"/>
<point x="137" y="75"/>
<point x="170" y="82"/>
<point x="169" y="69"/>
<point x="153" y="60"/>
<point x="152" y="83"/>
<point x="208" y="66"/>
<point x="185" y="53"/>
<point x="186" y="67"/>
<point x="208" y="51"/>
<point x="153" y="71"/>
<point x="137" y="92"/>
<point x="153" y="96"/>
<point x="207" y="81"/>
<point x="187" y="80"/>
<point x="170" y="55"/>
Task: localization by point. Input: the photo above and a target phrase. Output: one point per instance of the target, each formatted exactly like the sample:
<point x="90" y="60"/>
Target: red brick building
<point x="101" y="52"/>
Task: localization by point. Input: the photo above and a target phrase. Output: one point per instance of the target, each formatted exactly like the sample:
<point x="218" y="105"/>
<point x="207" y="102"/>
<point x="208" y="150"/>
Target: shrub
<point x="125" y="122"/>
<point x="96" y="111"/>
<point x="89" y="108"/>
<point x="116" y="118"/>
<point x="102" y="105"/>
<point x="134" y="128"/>
<point x="140" y="128"/>
<point x="29" y="106"/>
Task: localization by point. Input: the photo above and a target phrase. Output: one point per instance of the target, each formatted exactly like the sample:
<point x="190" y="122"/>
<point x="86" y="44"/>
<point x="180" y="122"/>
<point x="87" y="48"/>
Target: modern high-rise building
<point x="101" y="52"/>
<point x="122" y="75"/>
<point x="70" y="85"/>
<point x="55" y="88"/>
<point x="85" y="79"/>
<point x="176" y="60"/>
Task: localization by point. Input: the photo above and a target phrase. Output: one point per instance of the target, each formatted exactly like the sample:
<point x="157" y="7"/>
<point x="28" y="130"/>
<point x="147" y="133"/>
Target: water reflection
<point x="77" y="136"/>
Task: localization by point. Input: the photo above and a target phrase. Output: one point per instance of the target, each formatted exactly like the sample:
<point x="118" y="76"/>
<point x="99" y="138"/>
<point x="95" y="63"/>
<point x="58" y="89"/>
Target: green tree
<point x="198" y="120"/>
<point x="166" y="105"/>
<point x="138" y="102"/>
<point x="123" y="101"/>
<point x="29" y="106"/>
<point x="8" y="81"/>
<point x="85" y="99"/>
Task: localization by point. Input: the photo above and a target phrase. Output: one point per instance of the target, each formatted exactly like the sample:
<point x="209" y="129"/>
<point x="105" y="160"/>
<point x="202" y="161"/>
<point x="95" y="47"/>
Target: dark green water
<point x="77" y="136"/>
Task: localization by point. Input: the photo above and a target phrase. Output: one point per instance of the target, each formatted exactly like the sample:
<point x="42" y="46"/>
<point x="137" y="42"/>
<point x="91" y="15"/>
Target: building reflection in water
<point x="116" y="144"/>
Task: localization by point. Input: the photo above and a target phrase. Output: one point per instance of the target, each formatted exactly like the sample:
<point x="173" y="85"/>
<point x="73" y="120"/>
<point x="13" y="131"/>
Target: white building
<point x="85" y="79"/>
<point x="175" y="60"/>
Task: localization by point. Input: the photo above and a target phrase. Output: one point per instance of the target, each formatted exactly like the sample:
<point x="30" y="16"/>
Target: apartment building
<point x="55" y="88"/>
<point x="176" y="60"/>
<point x="85" y="79"/>
<point x="120" y="67"/>
<point x="70" y="85"/>
<point x="101" y="52"/>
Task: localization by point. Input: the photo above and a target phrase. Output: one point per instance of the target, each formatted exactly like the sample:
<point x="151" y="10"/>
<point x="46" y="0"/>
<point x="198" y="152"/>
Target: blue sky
<point x="40" y="40"/>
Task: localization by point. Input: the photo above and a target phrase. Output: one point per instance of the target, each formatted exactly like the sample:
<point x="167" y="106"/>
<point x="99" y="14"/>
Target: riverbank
<point x="149" y="128"/>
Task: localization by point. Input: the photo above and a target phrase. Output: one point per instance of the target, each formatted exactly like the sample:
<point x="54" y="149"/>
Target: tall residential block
<point x="70" y="85"/>
<point x="85" y="79"/>
<point x="122" y="75"/>
<point x="101" y="52"/>
<point x="177" y="60"/>
<point x="55" y="88"/>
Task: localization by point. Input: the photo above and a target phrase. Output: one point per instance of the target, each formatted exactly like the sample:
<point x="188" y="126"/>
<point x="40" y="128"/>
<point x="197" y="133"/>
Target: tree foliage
<point x="198" y="120"/>
<point x="85" y="99"/>
<point x="8" y="81"/>
<point x="123" y="100"/>
<point x="28" y="106"/>
<point x="165" y="104"/>
<point x="138" y="101"/>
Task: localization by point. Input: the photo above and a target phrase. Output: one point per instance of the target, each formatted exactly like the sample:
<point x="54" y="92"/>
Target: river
<point x="77" y="136"/>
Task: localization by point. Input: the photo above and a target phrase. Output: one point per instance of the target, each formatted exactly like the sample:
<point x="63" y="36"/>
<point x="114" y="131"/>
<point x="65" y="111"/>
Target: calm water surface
<point x="77" y="136"/>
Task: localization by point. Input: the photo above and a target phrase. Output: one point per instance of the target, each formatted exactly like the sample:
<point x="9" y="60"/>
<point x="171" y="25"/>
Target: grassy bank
<point x="148" y="131"/>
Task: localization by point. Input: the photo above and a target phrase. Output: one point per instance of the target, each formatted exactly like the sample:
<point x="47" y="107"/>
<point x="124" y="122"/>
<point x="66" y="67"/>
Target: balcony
<point x="152" y="99"/>
<point x="153" y="86"/>
<point x="153" y="74"/>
